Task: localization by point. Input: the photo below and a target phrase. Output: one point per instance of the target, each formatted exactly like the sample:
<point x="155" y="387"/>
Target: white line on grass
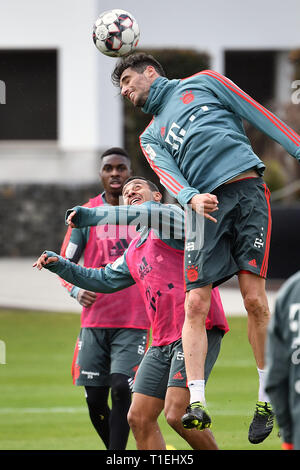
<point x="62" y="409"/>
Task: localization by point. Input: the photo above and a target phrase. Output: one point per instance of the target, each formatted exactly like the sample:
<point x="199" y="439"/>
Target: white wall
<point x="89" y="106"/>
<point x="217" y="25"/>
<point x="66" y="25"/>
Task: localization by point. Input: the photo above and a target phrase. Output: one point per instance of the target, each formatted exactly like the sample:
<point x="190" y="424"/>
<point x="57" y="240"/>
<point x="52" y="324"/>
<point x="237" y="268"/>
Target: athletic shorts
<point x="100" y="352"/>
<point x="239" y="241"/>
<point x="163" y="366"/>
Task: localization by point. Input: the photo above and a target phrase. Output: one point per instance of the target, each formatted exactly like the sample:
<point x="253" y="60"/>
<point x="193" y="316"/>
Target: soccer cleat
<point x="262" y="423"/>
<point x="196" y="417"/>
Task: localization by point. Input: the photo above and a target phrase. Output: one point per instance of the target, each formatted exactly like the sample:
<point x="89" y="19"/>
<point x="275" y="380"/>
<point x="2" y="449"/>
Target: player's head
<point x="134" y="74"/>
<point x="115" y="169"/>
<point x="137" y="190"/>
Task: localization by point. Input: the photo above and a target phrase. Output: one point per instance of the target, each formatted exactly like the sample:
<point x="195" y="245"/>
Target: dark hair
<point x="151" y="185"/>
<point x="115" y="151"/>
<point x="138" y="62"/>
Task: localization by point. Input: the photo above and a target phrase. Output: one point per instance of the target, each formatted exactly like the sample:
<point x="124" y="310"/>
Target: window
<point x="30" y="109"/>
<point x="253" y="71"/>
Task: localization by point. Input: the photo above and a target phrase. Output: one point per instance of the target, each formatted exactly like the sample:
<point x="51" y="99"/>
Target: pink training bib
<point x="123" y="309"/>
<point x="157" y="269"/>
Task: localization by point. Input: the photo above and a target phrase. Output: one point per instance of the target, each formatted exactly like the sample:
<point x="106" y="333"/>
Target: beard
<point x="141" y="100"/>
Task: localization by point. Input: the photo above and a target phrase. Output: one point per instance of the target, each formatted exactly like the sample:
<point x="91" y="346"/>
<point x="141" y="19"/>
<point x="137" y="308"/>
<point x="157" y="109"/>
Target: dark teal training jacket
<point x="196" y="139"/>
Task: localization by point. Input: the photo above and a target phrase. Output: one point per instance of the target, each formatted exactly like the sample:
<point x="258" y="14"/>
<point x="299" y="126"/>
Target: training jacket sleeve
<point x="166" y="219"/>
<point x="235" y="99"/>
<point x="114" y="277"/>
<point x="164" y="165"/>
<point x="72" y="248"/>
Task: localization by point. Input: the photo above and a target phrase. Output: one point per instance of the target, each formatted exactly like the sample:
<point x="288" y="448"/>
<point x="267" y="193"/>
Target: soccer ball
<point x="116" y="33"/>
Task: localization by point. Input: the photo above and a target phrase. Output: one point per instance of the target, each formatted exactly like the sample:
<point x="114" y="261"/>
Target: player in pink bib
<point x="153" y="261"/>
<point x="114" y="328"/>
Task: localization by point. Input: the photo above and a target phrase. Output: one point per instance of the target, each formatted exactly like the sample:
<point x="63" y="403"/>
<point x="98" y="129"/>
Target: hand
<point x="204" y="204"/>
<point x="43" y="260"/>
<point x="86" y="298"/>
<point x="69" y="220"/>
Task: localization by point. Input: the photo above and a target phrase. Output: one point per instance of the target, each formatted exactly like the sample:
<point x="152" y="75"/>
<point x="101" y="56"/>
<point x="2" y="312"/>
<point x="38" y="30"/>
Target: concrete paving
<point x="24" y="287"/>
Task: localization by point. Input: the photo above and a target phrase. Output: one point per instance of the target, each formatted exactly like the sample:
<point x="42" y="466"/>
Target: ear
<point x="157" y="196"/>
<point x="150" y="72"/>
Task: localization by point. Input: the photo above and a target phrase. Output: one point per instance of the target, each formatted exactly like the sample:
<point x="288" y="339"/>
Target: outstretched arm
<point x="112" y="278"/>
<point x="247" y="108"/>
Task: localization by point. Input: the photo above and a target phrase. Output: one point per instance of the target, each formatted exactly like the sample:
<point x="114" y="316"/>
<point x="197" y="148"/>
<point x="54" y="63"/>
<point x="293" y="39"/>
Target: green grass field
<point x="40" y="409"/>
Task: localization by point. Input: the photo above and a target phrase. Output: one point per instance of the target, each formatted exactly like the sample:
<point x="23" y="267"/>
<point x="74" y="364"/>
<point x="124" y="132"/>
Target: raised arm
<point x="235" y="99"/>
<point x="166" y="219"/>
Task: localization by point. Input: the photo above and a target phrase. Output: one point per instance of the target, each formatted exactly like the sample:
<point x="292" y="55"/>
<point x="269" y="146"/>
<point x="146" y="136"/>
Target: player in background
<point x="114" y="328"/>
<point x="283" y="364"/>
<point x="197" y="146"/>
<point x="160" y="382"/>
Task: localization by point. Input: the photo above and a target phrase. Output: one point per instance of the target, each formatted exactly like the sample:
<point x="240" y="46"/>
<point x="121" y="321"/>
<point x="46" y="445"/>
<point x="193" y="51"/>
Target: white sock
<point x="196" y="388"/>
<point x="262" y="394"/>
